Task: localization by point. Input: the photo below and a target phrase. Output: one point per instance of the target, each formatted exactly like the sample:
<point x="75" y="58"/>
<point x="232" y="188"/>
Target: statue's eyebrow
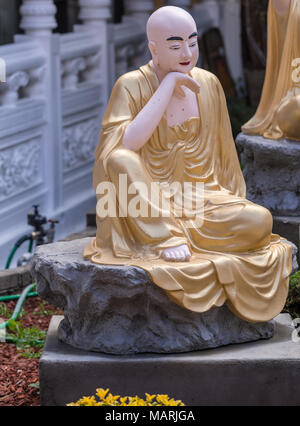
<point x="175" y="38"/>
<point x="180" y="38"/>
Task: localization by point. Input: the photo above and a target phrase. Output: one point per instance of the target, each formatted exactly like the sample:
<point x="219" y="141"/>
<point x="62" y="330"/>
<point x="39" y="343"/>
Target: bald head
<point x="167" y="19"/>
<point x="172" y="40"/>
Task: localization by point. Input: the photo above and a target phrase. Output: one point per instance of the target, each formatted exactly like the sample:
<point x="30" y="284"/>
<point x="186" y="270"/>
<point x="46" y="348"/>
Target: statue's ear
<point x="152" y="47"/>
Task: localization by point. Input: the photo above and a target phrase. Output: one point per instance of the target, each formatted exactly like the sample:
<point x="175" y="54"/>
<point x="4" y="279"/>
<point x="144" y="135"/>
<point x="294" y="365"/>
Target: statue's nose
<point x="186" y="53"/>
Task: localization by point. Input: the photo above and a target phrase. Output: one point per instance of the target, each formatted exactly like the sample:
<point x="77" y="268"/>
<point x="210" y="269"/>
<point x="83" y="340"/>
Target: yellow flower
<point x="149" y="397"/>
<point x="164" y="399"/>
<point x="109" y="399"/>
<point x="132" y="399"/>
<point x="87" y="401"/>
<point x="123" y="400"/>
<point x="101" y="393"/>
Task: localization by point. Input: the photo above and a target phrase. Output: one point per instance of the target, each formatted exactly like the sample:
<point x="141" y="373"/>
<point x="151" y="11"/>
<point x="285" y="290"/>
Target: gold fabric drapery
<point x="278" y="113"/>
<point x="235" y="257"/>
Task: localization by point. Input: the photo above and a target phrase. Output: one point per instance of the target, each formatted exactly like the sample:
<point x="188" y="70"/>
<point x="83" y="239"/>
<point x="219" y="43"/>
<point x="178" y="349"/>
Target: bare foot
<point x="177" y="254"/>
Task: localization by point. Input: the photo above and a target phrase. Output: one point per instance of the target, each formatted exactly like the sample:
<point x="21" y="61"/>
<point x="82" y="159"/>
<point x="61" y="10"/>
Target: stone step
<point x="14" y="280"/>
<point x="265" y="373"/>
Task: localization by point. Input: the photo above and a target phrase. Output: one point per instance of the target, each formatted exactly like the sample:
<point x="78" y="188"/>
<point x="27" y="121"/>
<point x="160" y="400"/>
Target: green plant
<point x="44" y="311"/>
<point x="292" y="305"/>
<point x="35" y="385"/>
<point x="5" y="311"/>
<point x="27" y="339"/>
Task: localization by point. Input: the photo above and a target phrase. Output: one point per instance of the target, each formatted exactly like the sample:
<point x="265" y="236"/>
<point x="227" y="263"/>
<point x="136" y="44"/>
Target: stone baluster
<point x="122" y="59"/>
<point x="70" y="72"/>
<point x="36" y="82"/>
<point x="139" y="10"/>
<point x="38" y="17"/>
<point x="140" y="48"/>
<point x="9" y="91"/>
<point x="92" y="70"/>
<point x="38" y="21"/>
<point x="94" y="12"/>
<point x="95" y="16"/>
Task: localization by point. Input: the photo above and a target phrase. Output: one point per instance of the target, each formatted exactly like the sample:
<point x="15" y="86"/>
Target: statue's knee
<point x="268" y="218"/>
<point x="122" y="157"/>
<point x="262" y="223"/>
<point x="264" y="219"/>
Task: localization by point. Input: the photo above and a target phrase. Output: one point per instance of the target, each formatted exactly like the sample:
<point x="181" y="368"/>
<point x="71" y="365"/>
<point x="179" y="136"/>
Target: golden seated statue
<point x="278" y="113"/>
<point x="160" y="128"/>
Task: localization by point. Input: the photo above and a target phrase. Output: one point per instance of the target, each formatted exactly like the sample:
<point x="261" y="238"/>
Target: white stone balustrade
<point x="80" y="59"/>
<point x="25" y="64"/>
<point x="82" y="103"/>
<point x="130" y="44"/>
<point x="22" y="123"/>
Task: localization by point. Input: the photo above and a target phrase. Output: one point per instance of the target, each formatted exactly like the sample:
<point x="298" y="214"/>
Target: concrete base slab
<point x="266" y="372"/>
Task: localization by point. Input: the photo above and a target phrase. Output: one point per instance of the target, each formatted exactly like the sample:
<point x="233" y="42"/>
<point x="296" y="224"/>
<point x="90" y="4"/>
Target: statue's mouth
<point x="185" y="63"/>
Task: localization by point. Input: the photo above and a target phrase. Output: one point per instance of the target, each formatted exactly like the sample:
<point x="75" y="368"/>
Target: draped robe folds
<point x="281" y="89"/>
<point x="235" y="257"/>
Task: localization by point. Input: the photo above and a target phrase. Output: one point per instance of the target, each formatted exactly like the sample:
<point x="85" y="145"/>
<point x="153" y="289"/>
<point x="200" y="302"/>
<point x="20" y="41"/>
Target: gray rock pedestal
<point x="272" y="173"/>
<point x="119" y="310"/>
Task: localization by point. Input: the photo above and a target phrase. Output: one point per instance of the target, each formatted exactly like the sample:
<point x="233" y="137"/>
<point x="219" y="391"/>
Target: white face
<point x="177" y="49"/>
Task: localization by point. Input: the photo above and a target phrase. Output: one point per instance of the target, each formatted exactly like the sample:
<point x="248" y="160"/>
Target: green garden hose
<point x="27" y="292"/>
<point x="16" y="296"/>
<point x="11" y="255"/>
<point x="19" y="305"/>
<point x="30" y="245"/>
<point x="16" y="246"/>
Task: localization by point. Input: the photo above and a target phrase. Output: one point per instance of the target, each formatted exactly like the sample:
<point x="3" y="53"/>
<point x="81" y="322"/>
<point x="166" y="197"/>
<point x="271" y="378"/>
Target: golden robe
<point x="235" y="257"/>
<point x="278" y="113"/>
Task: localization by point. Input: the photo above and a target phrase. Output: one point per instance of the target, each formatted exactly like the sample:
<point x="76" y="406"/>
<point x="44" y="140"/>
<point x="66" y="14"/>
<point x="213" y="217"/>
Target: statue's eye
<point x="175" y="47"/>
<point x="194" y="44"/>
